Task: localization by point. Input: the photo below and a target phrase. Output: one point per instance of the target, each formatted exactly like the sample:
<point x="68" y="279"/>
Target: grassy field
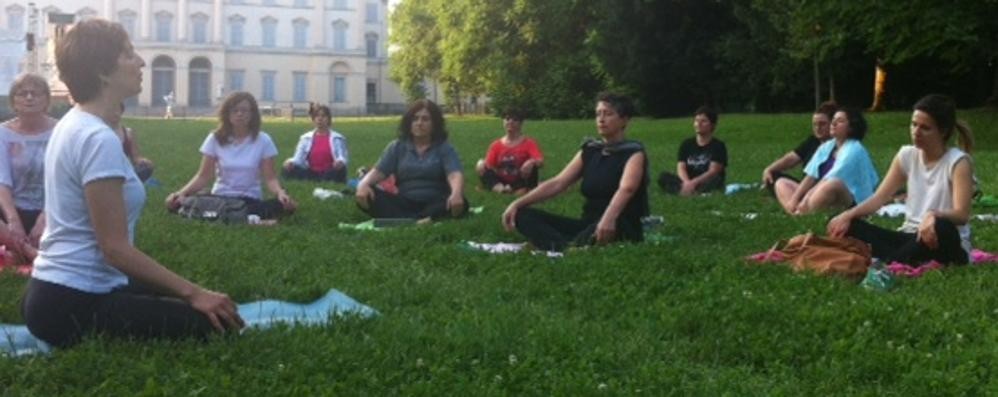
<point x="685" y="317"/>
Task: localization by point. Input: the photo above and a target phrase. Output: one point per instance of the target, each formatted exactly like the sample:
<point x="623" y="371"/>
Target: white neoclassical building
<point x="285" y="52"/>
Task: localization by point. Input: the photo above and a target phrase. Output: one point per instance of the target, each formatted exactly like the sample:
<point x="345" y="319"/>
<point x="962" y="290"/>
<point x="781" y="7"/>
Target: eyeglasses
<point x="26" y="93"/>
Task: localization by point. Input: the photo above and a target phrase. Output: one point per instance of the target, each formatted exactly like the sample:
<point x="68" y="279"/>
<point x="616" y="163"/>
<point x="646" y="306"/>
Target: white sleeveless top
<point x="930" y="188"/>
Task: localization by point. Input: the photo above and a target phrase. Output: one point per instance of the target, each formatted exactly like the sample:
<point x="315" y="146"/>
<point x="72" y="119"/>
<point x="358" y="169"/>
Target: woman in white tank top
<point x="939" y="180"/>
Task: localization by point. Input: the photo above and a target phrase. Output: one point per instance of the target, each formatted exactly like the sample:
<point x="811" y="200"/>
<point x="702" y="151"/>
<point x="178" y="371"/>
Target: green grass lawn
<point x="686" y="317"/>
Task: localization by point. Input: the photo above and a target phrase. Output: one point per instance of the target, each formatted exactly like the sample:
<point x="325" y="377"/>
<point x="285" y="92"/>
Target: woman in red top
<point x="512" y="162"/>
<point x="321" y="154"/>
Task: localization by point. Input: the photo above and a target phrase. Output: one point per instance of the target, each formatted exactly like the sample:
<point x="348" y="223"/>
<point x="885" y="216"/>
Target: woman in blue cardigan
<point x="840" y="174"/>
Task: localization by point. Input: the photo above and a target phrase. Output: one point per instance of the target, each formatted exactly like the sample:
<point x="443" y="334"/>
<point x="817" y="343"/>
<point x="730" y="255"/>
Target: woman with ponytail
<point x="322" y="153"/>
<point x="939" y="180"/>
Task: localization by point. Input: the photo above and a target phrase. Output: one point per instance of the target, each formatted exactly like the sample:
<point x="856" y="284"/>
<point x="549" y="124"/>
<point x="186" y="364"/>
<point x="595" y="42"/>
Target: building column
<point x="182" y="18"/>
<point x="319" y="29"/>
<point x="109" y="10"/>
<point x="145" y="20"/>
<point x="217" y="23"/>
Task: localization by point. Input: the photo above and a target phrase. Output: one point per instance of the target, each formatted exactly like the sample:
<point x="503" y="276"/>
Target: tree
<point x="414" y="32"/>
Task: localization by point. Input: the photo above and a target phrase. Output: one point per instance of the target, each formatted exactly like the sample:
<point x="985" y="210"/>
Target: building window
<point x="340" y="4"/>
<point x="269" y="26"/>
<point x="199" y="83"/>
<point x="127" y="20"/>
<point x="372" y="92"/>
<point x="269" y="2"/>
<point x="339" y="89"/>
<point x="301" y="86"/>
<point x="267" y="78"/>
<point x="236" y="80"/>
<point x="340" y="35"/>
<point x="372" y="13"/>
<point x="301" y="33"/>
<point x="236" y="30"/>
<point x="199" y="28"/>
<point x="85" y="14"/>
<point x="15" y="19"/>
<point x="164" y="22"/>
<point x="301" y="3"/>
<point x="163" y="76"/>
<point x="371" y="42"/>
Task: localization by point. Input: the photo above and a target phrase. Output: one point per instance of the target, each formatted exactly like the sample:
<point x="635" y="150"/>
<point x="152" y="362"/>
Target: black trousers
<point x="387" y="205"/>
<point x="28" y="218"/>
<point x="890" y="245"/>
<point x="62" y="316"/>
<point x="552" y="232"/>
<point x="490" y="178"/>
<point x="333" y="174"/>
<point x="672" y="184"/>
<point x="265" y="209"/>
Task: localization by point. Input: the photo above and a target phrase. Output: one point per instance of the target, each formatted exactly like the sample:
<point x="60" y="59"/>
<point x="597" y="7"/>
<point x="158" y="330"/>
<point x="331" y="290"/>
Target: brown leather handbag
<point x="826" y="255"/>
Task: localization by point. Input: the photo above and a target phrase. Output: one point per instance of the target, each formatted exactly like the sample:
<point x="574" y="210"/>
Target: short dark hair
<point x="827" y="108"/>
<point x="439" y="132"/>
<point x="223" y="134"/>
<point x="514" y="113"/>
<point x="89" y="50"/>
<point x="622" y="104"/>
<point x="315" y="108"/>
<point x="857" y="123"/>
<point x="708" y="112"/>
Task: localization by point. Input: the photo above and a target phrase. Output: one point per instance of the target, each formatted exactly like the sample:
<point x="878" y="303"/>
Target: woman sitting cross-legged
<point x="940" y="183"/>
<point x="85" y="275"/>
<point x="614" y="179"/>
<point x="513" y="162"/>
<point x="321" y="154"/>
<point x="839" y="174"/>
<point x="426" y="167"/>
<point x="238" y="155"/>
<point x="23" y="140"/>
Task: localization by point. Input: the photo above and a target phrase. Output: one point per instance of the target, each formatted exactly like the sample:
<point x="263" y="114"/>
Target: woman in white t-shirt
<point x="80" y="284"/>
<point x="238" y="155"/>
<point x="940" y="182"/>
<point x="22" y="149"/>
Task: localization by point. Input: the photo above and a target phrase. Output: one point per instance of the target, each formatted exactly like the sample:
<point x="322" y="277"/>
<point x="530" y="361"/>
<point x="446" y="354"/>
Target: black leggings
<point x="490" y="178"/>
<point x="552" y="232"/>
<point x="265" y="209"/>
<point x="333" y="174"/>
<point x="387" y="205"/>
<point x="890" y="245"/>
<point x="28" y="218"/>
<point x="62" y="316"/>
<point x="672" y="184"/>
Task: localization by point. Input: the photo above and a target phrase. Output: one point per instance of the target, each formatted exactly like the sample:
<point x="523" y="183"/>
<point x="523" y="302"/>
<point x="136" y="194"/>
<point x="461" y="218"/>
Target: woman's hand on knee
<point x="927" y="231"/>
<point x="839" y="225"/>
<point x="173" y="200"/>
<point x="219" y="309"/>
<point x="509" y="217"/>
<point x="364" y="195"/>
<point x="606" y="232"/>
<point x="455" y="203"/>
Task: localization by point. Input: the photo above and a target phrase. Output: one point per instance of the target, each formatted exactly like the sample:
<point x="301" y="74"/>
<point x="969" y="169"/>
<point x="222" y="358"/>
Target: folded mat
<point x="16" y="340"/>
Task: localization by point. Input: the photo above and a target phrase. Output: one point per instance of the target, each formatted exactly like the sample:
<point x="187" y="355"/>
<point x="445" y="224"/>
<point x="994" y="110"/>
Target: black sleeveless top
<point x="602" y="167"/>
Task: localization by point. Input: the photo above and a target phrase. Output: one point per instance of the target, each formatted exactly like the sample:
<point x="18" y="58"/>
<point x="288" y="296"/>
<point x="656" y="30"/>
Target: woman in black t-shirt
<point x="821" y="122"/>
<point x="702" y="159"/>
<point x="614" y="178"/>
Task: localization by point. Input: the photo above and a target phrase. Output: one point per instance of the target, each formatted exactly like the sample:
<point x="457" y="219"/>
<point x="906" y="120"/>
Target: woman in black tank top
<point x="613" y="171"/>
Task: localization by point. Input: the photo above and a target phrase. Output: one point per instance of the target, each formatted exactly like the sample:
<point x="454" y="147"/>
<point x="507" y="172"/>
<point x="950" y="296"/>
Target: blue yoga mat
<point x="16" y="340"/>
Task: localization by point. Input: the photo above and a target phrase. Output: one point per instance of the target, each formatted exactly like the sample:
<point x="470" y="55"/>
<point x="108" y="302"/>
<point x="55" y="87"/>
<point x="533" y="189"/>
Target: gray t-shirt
<point x="22" y="167"/>
<point x="420" y="178"/>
